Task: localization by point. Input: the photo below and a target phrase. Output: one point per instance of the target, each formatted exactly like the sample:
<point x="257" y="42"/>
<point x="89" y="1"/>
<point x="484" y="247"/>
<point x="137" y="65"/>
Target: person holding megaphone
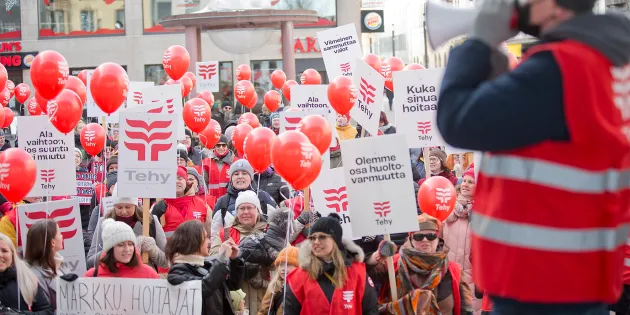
<point x="552" y="211"/>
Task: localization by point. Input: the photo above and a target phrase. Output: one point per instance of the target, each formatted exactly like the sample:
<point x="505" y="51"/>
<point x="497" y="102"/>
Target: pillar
<point x="288" y="56"/>
<point x="193" y="45"/>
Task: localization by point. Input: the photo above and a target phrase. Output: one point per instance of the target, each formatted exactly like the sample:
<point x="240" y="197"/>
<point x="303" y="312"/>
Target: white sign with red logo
<point x="147" y="151"/>
<point x="68" y="217"/>
<point x="370" y="85"/>
<point x="315" y="97"/>
<point x="377" y="171"/>
<point x="415" y="105"/>
<point x="165" y="99"/>
<point x="340" y="49"/>
<point x="330" y="196"/>
<point x="207" y="76"/>
<point x="134" y="96"/>
<point x="290" y="120"/>
<point x="53" y="153"/>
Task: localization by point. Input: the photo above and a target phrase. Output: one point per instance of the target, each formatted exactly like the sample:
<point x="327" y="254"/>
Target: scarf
<point x="131" y="220"/>
<point x="460" y="211"/>
<point x="182" y="204"/>
<point x="194" y="260"/>
<point x="384" y="128"/>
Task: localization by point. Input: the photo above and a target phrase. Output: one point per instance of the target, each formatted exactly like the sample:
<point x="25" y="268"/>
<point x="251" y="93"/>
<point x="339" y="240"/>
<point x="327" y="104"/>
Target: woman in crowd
<point x="119" y="257"/>
<point x="287" y="261"/>
<point x="331" y="277"/>
<point x="344" y="128"/>
<point x="187" y="250"/>
<point x="43" y="243"/>
<point x="19" y="289"/>
<point x="437" y="165"/>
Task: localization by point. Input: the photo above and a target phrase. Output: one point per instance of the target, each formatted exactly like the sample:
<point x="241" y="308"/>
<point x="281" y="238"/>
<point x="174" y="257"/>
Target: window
<point x="10" y="20"/>
<point x="155" y="10"/>
<point x="81" y="18"/>
<point x="261" y="76"/>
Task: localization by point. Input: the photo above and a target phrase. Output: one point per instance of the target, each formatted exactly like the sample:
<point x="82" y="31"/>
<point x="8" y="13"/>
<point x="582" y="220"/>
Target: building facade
<point x="90" y="32"/>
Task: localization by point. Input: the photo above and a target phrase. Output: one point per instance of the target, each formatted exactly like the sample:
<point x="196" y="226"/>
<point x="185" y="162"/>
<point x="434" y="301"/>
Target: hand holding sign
<point x="437" y="197"/>
<point x="18" y="173"/>
<point x="92" y="138"/>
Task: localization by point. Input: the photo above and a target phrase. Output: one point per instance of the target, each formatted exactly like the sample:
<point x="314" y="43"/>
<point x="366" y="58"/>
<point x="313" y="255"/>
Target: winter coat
<point x="195" y="155"/>
<point x="272" y="183"/>
<point x="352" y="253"/>
<point x="140" y="271"/>
<point x="335" y="159"/>
<point x="218" y="277"/>
<point x="9" y="292"/>
<point x="48" y="281"/>
<point x="446" y="174"/>
<point x="416" y="162"/>
<point x="457" y="237"/>
<point x="347" y="132"/>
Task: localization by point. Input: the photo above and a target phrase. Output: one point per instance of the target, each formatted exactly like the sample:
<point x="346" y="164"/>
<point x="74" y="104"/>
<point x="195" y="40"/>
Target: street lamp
<point x="393" y="43"/>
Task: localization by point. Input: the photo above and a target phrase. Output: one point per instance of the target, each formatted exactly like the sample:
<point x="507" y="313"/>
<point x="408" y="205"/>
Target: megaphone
<point x="445" y="22"/>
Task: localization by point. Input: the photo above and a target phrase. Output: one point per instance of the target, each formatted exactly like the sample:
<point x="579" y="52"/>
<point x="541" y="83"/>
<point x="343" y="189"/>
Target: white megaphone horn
<point x="445" y="22"/>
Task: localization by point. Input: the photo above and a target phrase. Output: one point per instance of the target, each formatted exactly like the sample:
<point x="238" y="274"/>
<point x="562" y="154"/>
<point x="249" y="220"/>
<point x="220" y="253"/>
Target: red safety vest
<point x="172" y="217"/>
<point x="218" y="177"/>
<point x="626" y="263"/>
<point x="346" y="301"/>
<point x="558" y="212"/>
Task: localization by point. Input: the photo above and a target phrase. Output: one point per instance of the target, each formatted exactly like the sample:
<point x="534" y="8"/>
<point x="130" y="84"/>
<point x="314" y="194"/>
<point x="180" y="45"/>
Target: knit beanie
<point x="181" y="146"/>
<point x="330" y="225"/>
<point x="188" y="132"/>
<point x="441" y="155"/>
<point x="182" y="172"/>
<point x="427" y="223"/>
<point x="274" y="115"/>
<point x="288" y="255"/>
<point x="247" y="196"/>
<point x="182" y="154"/>
<point x="223" y="139"/>
<point x="577" y="6"/>
<point x="126" y="200"/>
<point x="193" y="171"/>
<point x="241" y="165"/>
<point x="237" y="297"/>
<point x="116" y="232"/>
<point x="229" y="131"/>
<point x="77" y="150"/>
<point x="469" y="172"/>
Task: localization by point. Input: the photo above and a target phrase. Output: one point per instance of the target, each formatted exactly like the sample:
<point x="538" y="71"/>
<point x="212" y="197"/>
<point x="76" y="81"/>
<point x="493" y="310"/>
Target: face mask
<point x="523" y="24"/>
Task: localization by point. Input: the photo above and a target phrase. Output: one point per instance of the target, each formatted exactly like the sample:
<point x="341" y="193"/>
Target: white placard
<point x="165" y="99"/>
<point x="370" y="83"/>
<point x="340" y="49"/>
<point x="207" y="76"/>
<point x="53" y="153"/>
<point x="290" y="120"/>
<point x="126" y="296"/>
<point x="381" y="195"/>
<point x="134" y="96"/>
<point x="147" y="153"/>
<point x="315" y="97"/>
<point x="68" y="217"/>
<point x="415" y="105"/>
<point x="329" y="196"/>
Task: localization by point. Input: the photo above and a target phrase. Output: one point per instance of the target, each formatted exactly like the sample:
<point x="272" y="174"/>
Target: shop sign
<point x="372" y="21"/>
<point x="365" y="4"/>
<point x="18" y="60"/>
<point x="306" y="45"/>
<point x="6" y="47"/>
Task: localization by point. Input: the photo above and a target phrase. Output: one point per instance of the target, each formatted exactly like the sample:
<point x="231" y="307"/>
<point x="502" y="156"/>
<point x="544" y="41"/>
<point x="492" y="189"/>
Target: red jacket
<point x="626" y="263"/>
<point x="559" y="208"/>
<point x="218" y="174"/>
<point x="140" y="271"/>
<point x="195" y="210"/>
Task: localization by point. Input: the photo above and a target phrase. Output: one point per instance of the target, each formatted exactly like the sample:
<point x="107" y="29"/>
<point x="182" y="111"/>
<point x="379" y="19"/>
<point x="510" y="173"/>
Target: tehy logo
<point x="302" y="78"/>
<point x="6" y="97"/>
<point x="47" y="175"/>
<point x="64" y="70"/>
<point x="367" y="92"/>
<point x="345" y="69"/>
<point x="4" y="173"/>
<point x="137" y="97"/>
<point x="336" y="199"/>
<point x="207" y="71"/>
<point x="22" y="91"/>
<point x="307" y="155"/>
<point x="32" y="106"/>
<point x="240" y="91"/>
<point x="148" y="137"/>
<point x="89" y="135"/>
<point x="200" y="110"/>
<point x="170" y="107"/>
<point x="166" y="59"/>
<point x="424" y="127"/>
<point x="386" y="71"/>
<point x="443" y="195"/>
<point x="51" y="108"/>
<point x="292" y="122"/>
<point x="348" y="296"/>
<point x="62" y="216"/>
<point x="196" y="215"/>
<point x="382" y="208"/>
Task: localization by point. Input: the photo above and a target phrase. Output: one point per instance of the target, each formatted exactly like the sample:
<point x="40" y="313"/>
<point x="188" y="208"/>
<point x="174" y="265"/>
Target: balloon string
<point x="17" y="237"/>
<point x="203" y="181"/>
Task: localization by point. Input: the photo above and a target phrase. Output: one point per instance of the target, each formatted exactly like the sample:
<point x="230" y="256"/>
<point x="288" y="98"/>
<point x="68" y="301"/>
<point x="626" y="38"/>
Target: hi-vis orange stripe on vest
<point x="552" y="218"/>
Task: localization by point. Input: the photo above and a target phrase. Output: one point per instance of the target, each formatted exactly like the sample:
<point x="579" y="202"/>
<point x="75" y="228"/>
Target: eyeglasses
<point x="227" y="108"/>
<point x="420" y="237"/>
<point x="218" y="145"/>
<point x="320" y="238"/>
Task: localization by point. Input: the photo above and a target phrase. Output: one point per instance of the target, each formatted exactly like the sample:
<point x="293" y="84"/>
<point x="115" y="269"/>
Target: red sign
<point x="11" y="47"/>
<point x="311" y="45"/>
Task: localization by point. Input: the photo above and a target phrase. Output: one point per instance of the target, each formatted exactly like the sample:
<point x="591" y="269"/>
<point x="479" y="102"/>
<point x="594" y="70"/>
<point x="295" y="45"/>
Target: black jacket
<point x="9" y="291"/>
<point x="217" y="280"/>
<point x="227" y="202"/>
<point x="272" y="183"/>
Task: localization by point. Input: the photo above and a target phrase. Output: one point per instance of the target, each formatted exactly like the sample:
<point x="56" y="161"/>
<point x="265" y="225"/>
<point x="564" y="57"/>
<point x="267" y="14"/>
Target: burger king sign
<point x="372" y="21"/>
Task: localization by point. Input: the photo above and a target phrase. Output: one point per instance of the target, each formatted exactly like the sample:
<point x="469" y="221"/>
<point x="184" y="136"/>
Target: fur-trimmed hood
<point x="352" y="253"/>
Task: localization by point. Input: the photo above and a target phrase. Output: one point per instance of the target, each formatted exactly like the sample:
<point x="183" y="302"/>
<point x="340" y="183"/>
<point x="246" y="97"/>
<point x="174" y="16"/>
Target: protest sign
<point x="290" y="120"/>
<point x="68" y="217"/>
<point x="329" y="196"/>
<point x="164" y="99"/>
<point x="315" y="97"/>
<point x="85" y="187"/>
<point x="340" y="49"/>
<point x="53" y="153"/>
<point x="134" y="96"/>
<point x="367" y="110"/>
<point x="207" y="76"/>
<point x="379" y="183"/>
<point x="126" y="296"/>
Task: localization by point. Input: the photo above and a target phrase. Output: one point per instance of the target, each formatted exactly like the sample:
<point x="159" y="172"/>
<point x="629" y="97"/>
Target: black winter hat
<point x="578" y="6"/>
<point x="330" y="225"/>
<point x="223" y="139"/>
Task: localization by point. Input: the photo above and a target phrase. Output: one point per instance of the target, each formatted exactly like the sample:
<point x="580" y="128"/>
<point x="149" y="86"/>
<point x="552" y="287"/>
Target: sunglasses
<point x="320" y="238"/>
<point x="420" y="237"/>
<point x="221" y="145"/>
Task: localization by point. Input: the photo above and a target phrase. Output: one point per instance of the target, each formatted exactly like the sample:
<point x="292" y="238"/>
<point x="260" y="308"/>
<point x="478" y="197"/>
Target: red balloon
<point x="245" y="92"/>
<point x="8" y="117"/>
<point x="238" y="136"/>
<point x="42" y="102"/>
<point x="92" y="138"/>
<point x="243" y="72"/>
<point x="413" y="66"/>
<point x="175" y="82"/>
<point x="187" y="83"/>
<point x="19" y="173"/>
<point x="176" y="61"/>
<point x="311" y="77"/>
<point x="257" y="148"/>
<point x="76" y="85"/>
<point x="65" y="111"/>
<point x="272" y="100"/>
<point x="2" y="118"/>
<point x="196" y="114"/>
<point x="11" y="86"/>
<point x="311" y="174"/>
<point x="5" y="97"/>
<point x="33" y="108"/>
<point x="211" y="134"/>
<point x="278" y="78"/>
<point x="292" y="155"/>
<point x="390" y="65"/>
<point x="286" y="89"/>
<point x="252" y="104"/>
<point x="83" y="76"/>
<point x="317" y="129"/>
<point x="373" y="61"/>
<point x="192" y="77"/>
<point x="342" y="94"/>
<point x="109" y="85"/>
<point x="437" y="197"/>
<point x="250" y="119"/>
<point x="4" y="76"/>
<point x="207" y="96"/>
<point x="49" y="73"/>
<point x="23" y="91"/>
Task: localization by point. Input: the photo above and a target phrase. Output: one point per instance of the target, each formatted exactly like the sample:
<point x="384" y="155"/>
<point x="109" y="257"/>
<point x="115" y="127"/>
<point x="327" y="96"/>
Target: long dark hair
<point x="187" y="239"/>
<point x="39" y="250"/>
<point x="110" y="262"/>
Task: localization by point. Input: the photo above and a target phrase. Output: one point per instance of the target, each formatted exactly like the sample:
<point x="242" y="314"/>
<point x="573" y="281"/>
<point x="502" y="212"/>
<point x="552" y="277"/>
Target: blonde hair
<point x="339" y="277"/>
<point x="26" y="279"/>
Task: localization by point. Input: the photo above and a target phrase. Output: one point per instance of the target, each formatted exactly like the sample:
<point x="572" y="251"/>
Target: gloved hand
<point x="147" y="244"/>
<point x="69" y="277"/>
<point x="368" y="239"/>
<point x="492" y="24"/>
<point x="386" y="248"/>
<point x="305" y="217"/>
